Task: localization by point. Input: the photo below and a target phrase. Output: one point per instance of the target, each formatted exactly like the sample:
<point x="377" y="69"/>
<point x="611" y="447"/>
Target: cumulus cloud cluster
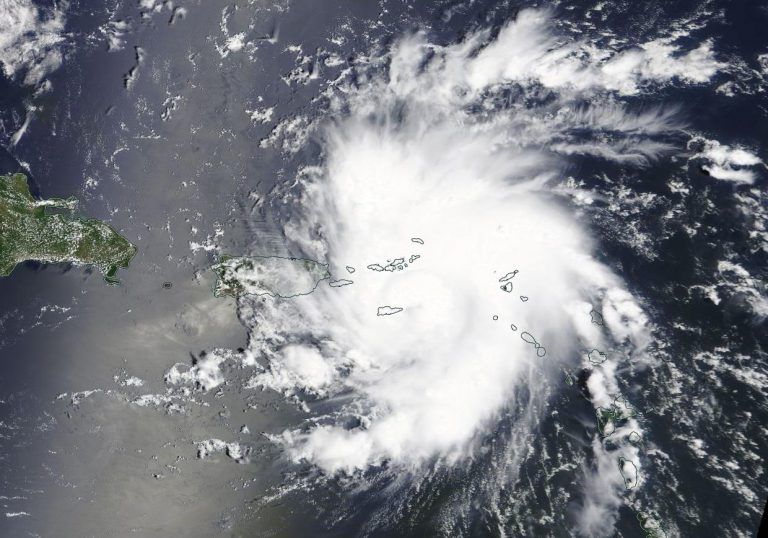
<point x="205" y="373"/>
<point x="726" y="162"/>
<point x="30" y="40"/>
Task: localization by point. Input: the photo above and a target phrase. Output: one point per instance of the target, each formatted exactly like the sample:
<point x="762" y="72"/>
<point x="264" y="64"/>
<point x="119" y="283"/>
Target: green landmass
<point x="29" y="230"/>
<point x="650" y="527"/>
<point x="609" y="418"/>
<point x="275" y="276"/>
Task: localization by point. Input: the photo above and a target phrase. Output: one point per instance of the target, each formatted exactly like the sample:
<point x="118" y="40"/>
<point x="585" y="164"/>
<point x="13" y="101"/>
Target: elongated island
<point x="47" y="231"/>
<point x="274" y="276"/>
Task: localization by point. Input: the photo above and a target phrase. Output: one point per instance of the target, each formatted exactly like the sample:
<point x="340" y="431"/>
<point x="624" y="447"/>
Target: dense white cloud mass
<point x="429" y="378"/>
<point x="30" y="40"/>
<point x="470" y="281"/>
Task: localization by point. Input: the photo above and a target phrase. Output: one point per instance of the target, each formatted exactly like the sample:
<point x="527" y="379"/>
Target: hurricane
<point x="470" y="286"/>
<point x="437" y="268"/>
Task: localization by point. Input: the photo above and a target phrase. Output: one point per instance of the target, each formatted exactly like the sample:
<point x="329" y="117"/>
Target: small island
<point x="46" y="231"/>
<point x="268" y="275"/>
